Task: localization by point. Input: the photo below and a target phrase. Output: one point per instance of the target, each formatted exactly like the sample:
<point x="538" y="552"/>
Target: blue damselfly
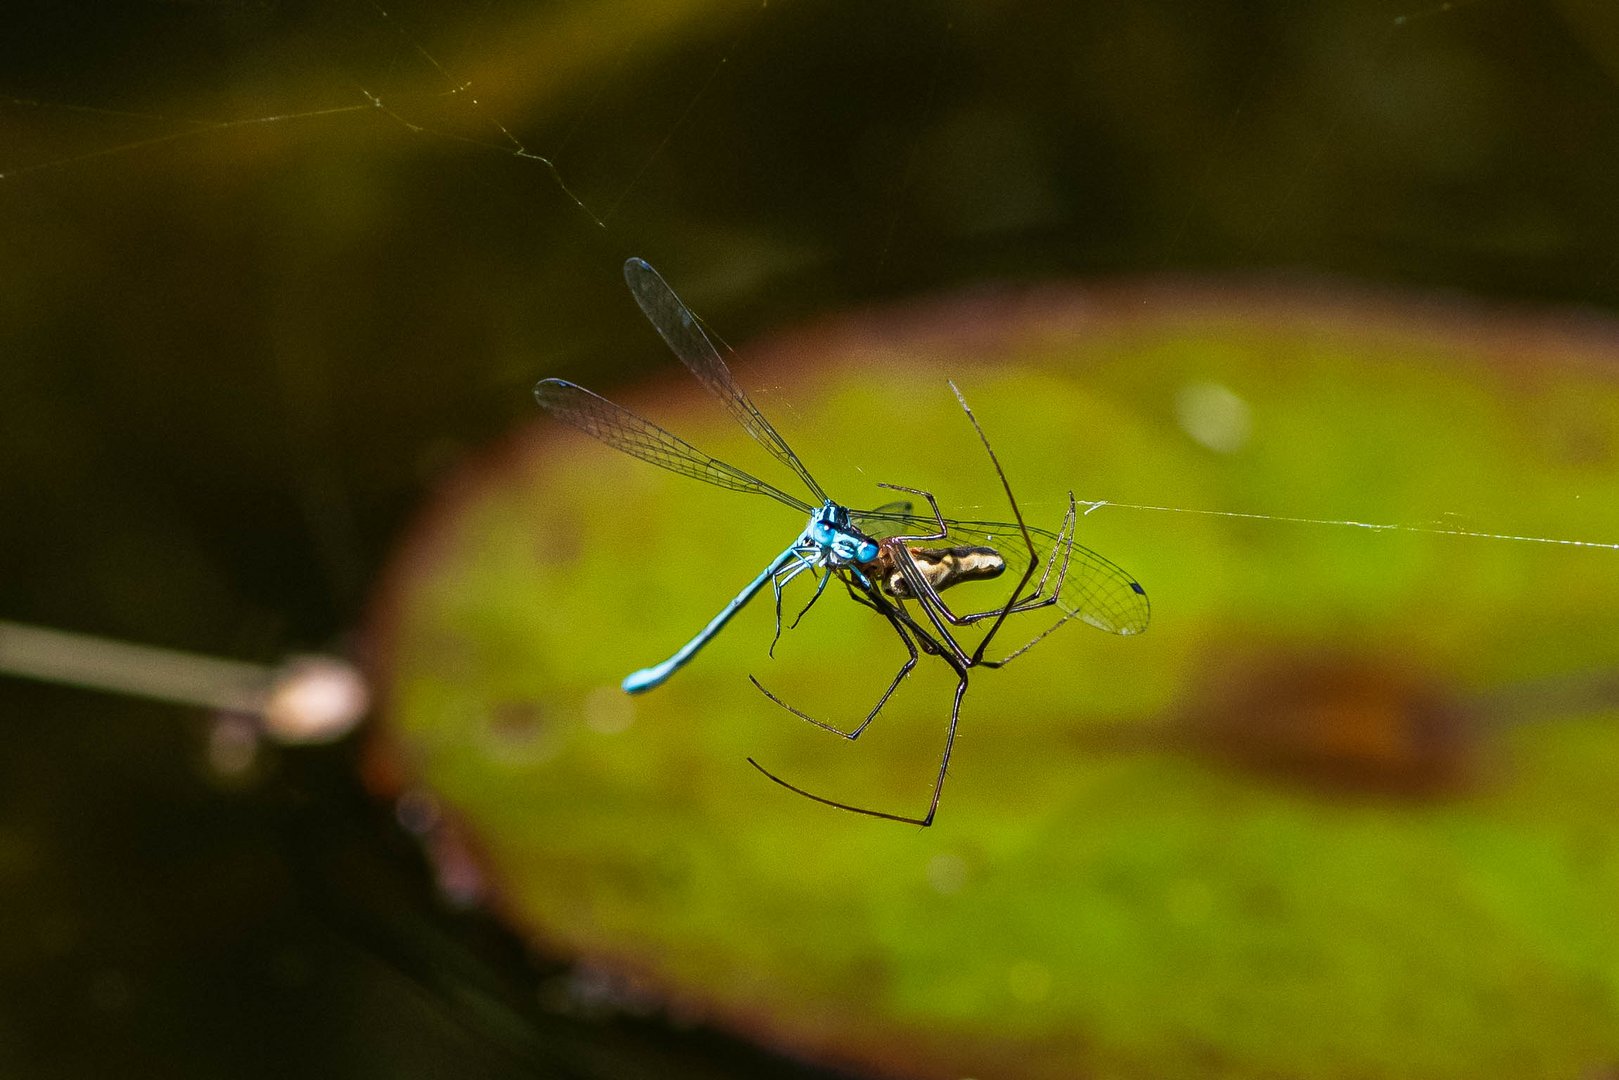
<point x="887" y="559"/>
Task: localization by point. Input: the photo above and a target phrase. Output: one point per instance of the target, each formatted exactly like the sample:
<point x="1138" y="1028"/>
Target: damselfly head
<point x="829" y="529"/>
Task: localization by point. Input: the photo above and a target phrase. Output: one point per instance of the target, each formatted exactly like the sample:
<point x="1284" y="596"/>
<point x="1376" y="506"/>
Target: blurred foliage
<point x="1267" y="837"/>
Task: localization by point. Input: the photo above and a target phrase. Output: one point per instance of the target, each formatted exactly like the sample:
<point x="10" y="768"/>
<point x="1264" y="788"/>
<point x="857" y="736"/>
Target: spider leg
<point x="944" y="529"/>
<point x="1017" y="513"/>
<point x="894" y="617"/>
<point x="1031" y="643"/>
<point x="1033" y="602"/>
<point x="938" y="783"/>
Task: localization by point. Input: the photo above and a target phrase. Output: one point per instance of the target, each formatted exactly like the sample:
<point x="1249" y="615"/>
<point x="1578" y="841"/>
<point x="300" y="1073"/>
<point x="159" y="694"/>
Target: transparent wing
<point x="1097" y="590"/>
<point x="680" y="329"/>
<point x="891" y="519"/>
<point x="624" y="431"/>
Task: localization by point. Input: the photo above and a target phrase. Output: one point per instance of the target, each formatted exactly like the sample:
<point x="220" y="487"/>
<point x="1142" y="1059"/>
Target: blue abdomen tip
<point x="645" y="679"/>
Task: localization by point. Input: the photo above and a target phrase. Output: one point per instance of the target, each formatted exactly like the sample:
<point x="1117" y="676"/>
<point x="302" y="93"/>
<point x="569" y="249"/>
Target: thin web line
<point x="195" y="128"/>
<point x="1346" y="523"/>
<point x="191" y="128"/>
<point x="686" y="113"/>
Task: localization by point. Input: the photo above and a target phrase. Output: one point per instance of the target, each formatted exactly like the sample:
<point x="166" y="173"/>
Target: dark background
<point x="250" y="317"/>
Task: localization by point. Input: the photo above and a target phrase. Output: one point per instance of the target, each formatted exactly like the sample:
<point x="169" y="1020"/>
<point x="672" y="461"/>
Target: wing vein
<point x="628" y="433"/>
<point x="683" y="333"/>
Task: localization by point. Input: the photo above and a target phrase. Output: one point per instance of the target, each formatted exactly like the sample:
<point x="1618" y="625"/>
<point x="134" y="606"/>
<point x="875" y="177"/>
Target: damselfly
<point x="886" y="558"/>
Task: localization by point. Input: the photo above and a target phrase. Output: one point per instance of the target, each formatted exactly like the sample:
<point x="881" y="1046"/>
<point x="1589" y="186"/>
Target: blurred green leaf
<point x="1345" y="810"/>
